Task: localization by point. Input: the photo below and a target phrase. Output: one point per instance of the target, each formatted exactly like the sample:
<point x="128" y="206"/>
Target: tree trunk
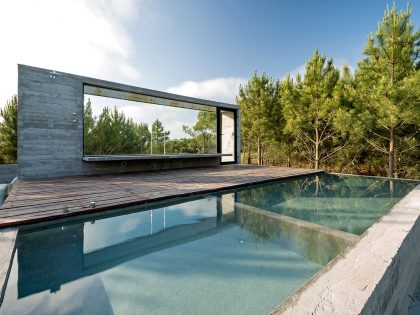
<point x="258" y="153"/>
<point x="262" y="155"/>
<point x="249" y="155"/>
<point x="391" y="152"/>
<point x="259" y="148"/>
<point x="316" y="149"/>
<point x="391" y="130"/>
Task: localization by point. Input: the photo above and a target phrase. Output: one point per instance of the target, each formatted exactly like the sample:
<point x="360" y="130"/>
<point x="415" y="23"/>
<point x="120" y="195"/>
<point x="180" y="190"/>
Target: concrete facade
<point x="50" y="126"/>
<point x="8" y="172"/>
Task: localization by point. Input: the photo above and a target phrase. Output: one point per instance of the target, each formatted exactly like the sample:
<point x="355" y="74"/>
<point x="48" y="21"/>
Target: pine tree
<point x="142" y="138"/>
<point x="345" y="95"/>
<point x="204" y="131"/>
<point x="159" y="137"/>
<point x="388" y="89"/>
<point x="310" y="109"/>
<point x="8" y="131"/>
<point x="261" y="114"/>
<point x="88" y="128"/>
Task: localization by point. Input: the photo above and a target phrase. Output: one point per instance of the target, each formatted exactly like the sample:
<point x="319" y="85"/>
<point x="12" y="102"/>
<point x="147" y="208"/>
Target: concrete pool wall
<point x="7" y="248"/>
<point x="376" y="275"/>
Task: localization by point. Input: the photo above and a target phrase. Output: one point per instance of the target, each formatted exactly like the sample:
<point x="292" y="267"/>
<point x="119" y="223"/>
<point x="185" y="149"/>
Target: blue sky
<point x="192" y="47"/>
<point x="208" y="39"/>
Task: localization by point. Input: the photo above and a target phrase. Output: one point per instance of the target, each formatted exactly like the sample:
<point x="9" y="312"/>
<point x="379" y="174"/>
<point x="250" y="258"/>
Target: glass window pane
<point x="114" y="126"/>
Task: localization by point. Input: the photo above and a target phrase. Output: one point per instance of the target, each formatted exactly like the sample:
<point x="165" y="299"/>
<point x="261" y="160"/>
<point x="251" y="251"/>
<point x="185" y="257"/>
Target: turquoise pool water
<point x="223" y="253"/>
<point x="347" y="203"/>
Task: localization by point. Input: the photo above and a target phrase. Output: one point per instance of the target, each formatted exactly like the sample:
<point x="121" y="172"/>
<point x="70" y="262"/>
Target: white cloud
<point x="219" y="89"/>
<point x="77" y="36"/>
<point x="295" y="71"/>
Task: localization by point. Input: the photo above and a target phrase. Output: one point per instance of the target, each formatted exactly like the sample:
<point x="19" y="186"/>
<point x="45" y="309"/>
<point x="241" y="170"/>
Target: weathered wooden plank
<point x="36" y="200"/>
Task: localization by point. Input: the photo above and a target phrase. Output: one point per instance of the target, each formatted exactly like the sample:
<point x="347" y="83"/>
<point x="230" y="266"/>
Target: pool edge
<point x="372" y="276"/>
<point x="7" y="250"/>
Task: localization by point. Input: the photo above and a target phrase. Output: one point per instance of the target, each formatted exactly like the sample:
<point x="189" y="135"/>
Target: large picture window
<point x="122" y="123"/>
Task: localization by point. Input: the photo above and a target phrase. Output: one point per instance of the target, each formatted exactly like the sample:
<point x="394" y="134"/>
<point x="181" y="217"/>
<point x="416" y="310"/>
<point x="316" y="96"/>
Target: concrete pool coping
<point x="7" y="248"/>
<point x="3" y="191"/>
<point x="375" y="275"/>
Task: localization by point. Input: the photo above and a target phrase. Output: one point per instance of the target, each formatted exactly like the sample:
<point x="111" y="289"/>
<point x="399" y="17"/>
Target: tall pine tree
<point x="310" y="109"/>
<point x="261" y="114"/>
<point x="159" y="137"/>
<point x="388" y="89"/>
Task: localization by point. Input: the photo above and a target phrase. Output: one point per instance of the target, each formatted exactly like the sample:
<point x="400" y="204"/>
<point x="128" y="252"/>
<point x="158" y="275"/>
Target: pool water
<point x="347" y="203"/>
<point x="234" y="252"/>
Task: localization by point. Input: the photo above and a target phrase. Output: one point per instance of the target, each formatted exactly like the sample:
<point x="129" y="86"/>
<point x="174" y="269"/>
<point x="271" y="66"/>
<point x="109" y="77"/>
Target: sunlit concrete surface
<point x="374" y="276"/>
<point x="7" y="246"/>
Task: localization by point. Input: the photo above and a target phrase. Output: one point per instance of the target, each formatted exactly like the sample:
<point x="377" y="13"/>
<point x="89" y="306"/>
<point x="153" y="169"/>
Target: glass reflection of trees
<point x="113" y="133"/>
<point x="318" y="246"/>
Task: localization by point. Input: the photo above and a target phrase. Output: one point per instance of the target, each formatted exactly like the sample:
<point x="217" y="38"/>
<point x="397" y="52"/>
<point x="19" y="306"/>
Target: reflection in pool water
<point x="347" y="203"/>
<point x="208" y="255"/>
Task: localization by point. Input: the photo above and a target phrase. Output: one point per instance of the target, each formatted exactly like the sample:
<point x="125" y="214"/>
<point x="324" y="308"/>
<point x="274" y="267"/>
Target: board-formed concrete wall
<point x="50" y="127"/>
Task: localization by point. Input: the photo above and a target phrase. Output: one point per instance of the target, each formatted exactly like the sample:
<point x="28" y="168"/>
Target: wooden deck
<point x="39" y="200"/>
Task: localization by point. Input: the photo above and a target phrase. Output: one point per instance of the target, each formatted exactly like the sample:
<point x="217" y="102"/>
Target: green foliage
<point x="142" y="134"/>
<point x="159" y="138"/>
<point x="204" y="131"/>
<point x="388" y="102"/>
<point x="8" y="131"/>
<point x="331" y="119"/>
<point x="184" y="145"/>
<point x="261" y="113"/>
<point x="113" y="133"/>
<point x="310" y="109"/>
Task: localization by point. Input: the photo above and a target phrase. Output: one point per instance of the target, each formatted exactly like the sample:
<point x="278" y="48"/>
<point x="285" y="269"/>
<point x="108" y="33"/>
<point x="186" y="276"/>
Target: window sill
<point x="110" y="158"/>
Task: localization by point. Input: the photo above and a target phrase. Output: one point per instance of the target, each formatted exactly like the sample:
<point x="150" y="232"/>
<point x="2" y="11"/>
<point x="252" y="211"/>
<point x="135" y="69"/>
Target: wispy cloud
<point x="219" y="89"/>
<point x="295" y="71"/>
<point x="77" y="36"/>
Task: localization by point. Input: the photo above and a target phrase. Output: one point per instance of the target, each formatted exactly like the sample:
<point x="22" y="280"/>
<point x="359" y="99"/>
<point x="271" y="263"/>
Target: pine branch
<point x="333" y="152"/>
<point x="350" y="163"/>
<point x="326" y="125"/>
<point x="375" y="146"/>
<point x="378" y="135"/>
<point x="305" y="134"/>
<point x="329" y="136"/>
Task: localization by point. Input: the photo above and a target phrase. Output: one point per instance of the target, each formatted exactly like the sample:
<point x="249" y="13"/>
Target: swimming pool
<point x="343" y="202"/>
<point x="242" y="251"/>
